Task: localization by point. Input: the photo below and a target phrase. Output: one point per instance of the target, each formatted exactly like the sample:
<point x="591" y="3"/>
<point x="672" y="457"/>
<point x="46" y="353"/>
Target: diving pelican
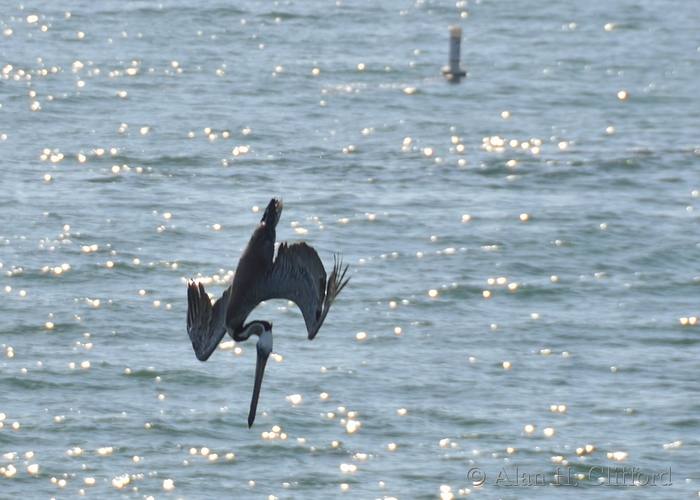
<point x="295" y="274"/>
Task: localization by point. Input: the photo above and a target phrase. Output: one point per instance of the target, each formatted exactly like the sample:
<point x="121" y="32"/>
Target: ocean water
<point x="523" y="248"/>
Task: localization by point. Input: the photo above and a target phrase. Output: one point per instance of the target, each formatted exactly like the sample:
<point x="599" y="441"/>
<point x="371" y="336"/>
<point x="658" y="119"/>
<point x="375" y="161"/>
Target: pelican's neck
<point x="254" y="328"/>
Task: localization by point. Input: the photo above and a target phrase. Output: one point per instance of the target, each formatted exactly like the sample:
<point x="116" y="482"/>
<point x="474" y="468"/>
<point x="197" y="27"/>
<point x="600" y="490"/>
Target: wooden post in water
<point x="453" y="71"/>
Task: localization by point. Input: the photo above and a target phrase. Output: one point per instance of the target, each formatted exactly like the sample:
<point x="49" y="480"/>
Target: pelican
<point x="295" y="273"/>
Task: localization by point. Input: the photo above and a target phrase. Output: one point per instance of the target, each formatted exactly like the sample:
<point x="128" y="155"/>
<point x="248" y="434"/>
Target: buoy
<point x="453" y="72"/>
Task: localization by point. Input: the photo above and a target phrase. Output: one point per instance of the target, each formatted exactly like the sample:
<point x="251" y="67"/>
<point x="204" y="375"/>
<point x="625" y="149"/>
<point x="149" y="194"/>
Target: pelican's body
<point x="295" y="274"/>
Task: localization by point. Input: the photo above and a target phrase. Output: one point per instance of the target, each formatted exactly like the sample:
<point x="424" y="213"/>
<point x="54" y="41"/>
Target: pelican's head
<point x="264" y="333"/>
<point x="263" y="330"/>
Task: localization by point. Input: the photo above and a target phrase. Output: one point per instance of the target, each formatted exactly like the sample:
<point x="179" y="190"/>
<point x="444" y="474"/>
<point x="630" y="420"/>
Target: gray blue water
<point x="523" y="248"/>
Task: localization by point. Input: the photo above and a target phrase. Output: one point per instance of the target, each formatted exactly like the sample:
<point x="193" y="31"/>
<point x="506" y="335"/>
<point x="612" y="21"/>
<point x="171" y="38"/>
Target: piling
<point x="453" y="72"/>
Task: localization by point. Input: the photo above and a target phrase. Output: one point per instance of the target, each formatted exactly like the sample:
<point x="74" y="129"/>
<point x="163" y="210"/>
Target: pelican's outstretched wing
<point x="298" y="275"/>
<point x="206" y="324"/>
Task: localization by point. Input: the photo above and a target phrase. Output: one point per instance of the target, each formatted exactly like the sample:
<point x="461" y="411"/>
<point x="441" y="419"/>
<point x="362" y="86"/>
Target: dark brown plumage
<point x="295" y="274"/>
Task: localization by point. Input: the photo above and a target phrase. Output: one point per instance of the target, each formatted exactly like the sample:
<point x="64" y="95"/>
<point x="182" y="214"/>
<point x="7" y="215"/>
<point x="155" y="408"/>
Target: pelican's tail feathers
<point x="273" y="212"/>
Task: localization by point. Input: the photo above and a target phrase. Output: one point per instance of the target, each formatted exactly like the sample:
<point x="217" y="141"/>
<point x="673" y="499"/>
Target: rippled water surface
<point x="523" y="247"/>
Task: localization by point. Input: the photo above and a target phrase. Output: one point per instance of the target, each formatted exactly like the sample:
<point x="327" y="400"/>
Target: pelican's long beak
<point x="264" y="348"/>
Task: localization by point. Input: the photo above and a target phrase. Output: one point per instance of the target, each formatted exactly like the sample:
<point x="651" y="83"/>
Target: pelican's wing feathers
<point x="298" y="275"/>
<point x="206" y="324"/>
